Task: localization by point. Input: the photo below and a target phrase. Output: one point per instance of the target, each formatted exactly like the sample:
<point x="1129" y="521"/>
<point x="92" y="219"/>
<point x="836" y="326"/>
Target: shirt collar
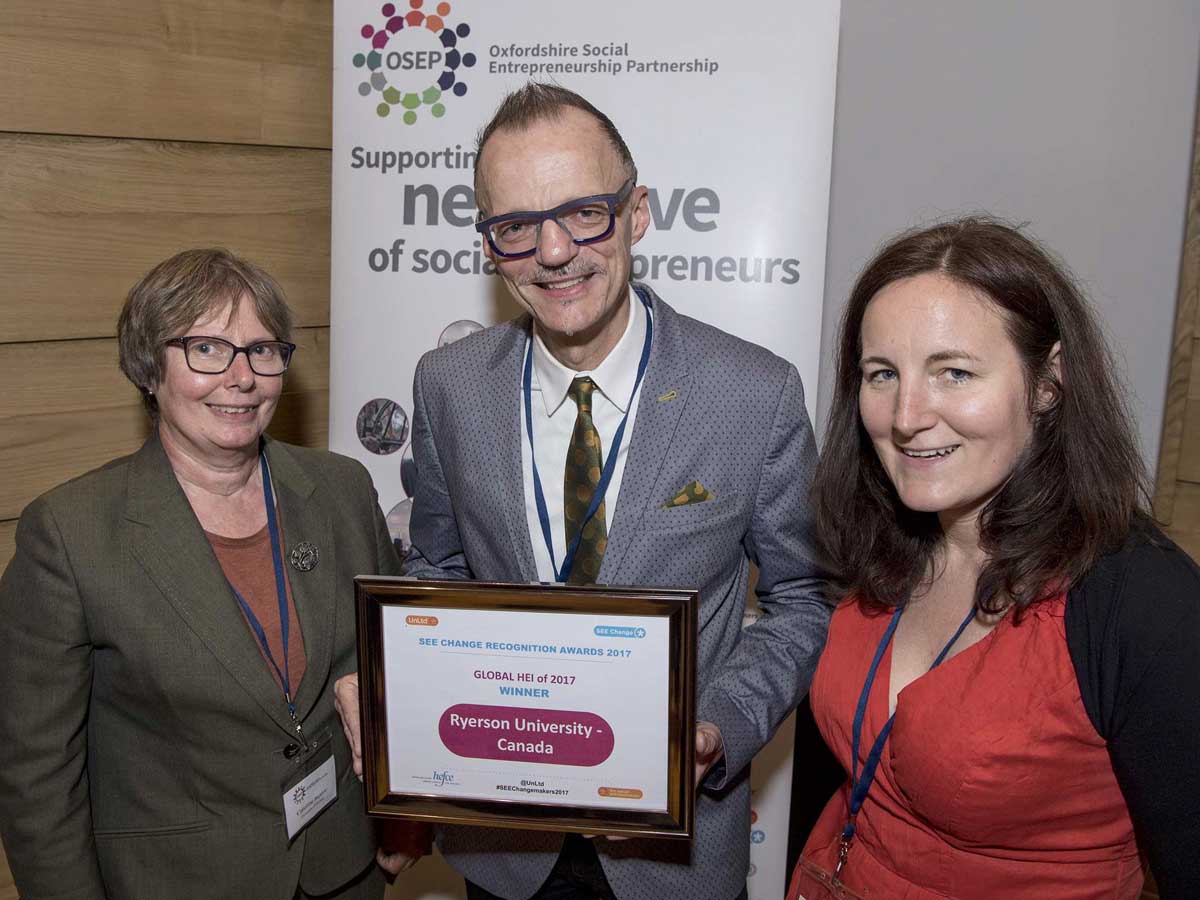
<point x="614" y="377"/>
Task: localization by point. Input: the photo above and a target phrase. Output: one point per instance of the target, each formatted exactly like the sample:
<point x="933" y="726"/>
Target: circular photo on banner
<point x="382" y="426"/>
<point x="408" y="471"/>
<point x="457" y="330"/>
<point x="397" y="523"/>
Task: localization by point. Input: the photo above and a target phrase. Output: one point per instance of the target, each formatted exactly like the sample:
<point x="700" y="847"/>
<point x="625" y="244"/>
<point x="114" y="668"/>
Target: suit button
<point x="291" y="750"/>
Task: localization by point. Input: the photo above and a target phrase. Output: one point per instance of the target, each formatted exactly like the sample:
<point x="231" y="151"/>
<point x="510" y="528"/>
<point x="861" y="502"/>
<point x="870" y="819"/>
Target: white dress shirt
<point x="554" y="421"/>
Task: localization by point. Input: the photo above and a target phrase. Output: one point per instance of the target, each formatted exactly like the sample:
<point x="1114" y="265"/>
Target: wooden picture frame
<point x="628" y="653"/>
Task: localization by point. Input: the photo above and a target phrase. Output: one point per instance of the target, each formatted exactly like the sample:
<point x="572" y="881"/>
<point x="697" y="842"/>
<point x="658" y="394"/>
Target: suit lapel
<point x="506" y="367"/>
<point x="315" y="591"/>
<point x="168" y="542"/>
<point x="660" y="404"/>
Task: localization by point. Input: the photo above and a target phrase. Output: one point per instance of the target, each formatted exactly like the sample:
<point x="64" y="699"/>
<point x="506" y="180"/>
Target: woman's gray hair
<point x="187" y="287"/>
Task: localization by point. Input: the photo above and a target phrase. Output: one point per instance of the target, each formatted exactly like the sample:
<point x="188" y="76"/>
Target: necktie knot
<point x="581" y="392"/>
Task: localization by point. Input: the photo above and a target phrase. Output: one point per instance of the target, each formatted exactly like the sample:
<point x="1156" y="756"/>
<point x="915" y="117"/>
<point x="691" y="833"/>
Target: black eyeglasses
<point x="587" y="220"/>
<point x="212" y="355"/>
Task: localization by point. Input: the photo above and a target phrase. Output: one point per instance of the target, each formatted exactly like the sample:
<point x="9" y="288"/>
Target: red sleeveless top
<point x="993" y="783"/>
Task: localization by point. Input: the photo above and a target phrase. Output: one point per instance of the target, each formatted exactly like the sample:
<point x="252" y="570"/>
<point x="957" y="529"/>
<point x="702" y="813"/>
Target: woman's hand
<point x="345" y="701"/>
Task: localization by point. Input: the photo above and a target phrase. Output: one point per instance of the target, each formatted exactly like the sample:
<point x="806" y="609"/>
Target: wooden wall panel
<point x="8" y="890"/>
<point x="238" y="71"/>
<point x="8" y="535"/>
<point x="38" y="451"/>
<point x="70" y="410"/>
<point x="57" y="377"/>
<point x="63" y="376"/>
<point x="1181" y="415"/>
<point x="130" y="129"/>
<point x="1187" y="466"/>
<point x="1185" y="531"/>
<point x="84" y="218"/>
<point x="302" y="418"/>
<point x="1177" y="491"/>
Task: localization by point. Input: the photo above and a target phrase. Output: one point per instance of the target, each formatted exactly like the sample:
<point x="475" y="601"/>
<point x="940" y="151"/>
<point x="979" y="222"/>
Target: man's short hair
<point x="539" y="102"/>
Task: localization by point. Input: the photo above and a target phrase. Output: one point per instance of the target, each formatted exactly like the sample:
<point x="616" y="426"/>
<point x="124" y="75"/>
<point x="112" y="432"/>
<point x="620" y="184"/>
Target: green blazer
<point x="142" y="735"/>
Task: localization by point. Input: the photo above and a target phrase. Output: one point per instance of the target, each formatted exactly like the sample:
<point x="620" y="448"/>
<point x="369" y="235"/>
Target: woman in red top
<point x="1012" y="682"/>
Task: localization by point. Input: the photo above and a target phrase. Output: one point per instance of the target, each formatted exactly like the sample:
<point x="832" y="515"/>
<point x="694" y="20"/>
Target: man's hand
<point x="394" y="863"/>
<point x="345" y="701"/>
<point x="401" y="844"/>
<point x="710" y="747"/>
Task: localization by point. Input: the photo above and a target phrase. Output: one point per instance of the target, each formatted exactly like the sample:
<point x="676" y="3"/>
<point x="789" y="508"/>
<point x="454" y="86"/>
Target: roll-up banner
<point x="728" y="112"/>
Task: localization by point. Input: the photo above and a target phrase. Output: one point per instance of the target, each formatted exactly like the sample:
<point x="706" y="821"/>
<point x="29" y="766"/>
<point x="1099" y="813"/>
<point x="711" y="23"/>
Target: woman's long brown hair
<point x="1077" y="489"/>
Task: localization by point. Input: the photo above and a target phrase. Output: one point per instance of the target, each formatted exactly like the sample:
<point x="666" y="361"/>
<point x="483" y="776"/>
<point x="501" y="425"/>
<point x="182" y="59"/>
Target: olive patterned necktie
<point x="580" y="477"/>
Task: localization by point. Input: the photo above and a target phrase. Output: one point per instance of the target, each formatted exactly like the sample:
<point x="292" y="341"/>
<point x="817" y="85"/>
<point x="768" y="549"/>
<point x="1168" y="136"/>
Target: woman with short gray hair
<point x="173" y="622"/>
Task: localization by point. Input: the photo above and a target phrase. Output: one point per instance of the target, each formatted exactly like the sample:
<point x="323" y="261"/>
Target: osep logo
<point x="414" y="60"/>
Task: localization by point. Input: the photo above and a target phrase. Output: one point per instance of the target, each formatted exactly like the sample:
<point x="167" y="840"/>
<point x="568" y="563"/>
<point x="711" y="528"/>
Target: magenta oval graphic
<point x="558" y="736"/>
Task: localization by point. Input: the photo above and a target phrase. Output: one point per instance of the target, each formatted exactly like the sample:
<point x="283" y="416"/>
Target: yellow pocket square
<point x="689" y="493"/>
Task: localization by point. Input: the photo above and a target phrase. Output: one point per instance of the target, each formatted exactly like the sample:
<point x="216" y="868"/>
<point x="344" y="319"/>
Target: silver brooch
<point x="305" y="556"/>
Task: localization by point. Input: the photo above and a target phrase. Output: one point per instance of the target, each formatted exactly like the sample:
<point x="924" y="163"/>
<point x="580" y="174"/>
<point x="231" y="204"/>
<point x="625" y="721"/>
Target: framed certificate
<point x="551" y="707"/>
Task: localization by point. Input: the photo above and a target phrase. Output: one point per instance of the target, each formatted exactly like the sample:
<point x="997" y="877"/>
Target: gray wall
<point x="1075" y="116"/>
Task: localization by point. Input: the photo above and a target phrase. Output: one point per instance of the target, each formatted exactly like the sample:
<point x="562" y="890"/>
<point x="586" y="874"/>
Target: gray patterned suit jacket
<point x="715" y="409"/>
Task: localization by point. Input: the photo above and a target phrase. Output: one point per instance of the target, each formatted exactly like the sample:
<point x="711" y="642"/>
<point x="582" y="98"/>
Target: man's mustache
<point x="574" y="269"/>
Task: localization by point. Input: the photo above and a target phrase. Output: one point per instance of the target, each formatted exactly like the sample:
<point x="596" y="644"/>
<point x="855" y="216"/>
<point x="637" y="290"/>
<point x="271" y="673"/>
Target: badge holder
<point x="310" y="786"/>
<point x="814" y="883"/>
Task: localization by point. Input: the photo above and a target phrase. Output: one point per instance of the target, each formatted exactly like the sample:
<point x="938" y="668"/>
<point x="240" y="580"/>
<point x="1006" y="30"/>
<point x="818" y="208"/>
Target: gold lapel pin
<point x="669" y="395"/>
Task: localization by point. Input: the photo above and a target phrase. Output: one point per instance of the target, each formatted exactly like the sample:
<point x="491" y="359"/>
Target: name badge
<point x="311" y="786"/>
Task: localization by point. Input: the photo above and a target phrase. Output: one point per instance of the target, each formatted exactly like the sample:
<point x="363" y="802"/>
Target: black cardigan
<point x="1133" y="631"/>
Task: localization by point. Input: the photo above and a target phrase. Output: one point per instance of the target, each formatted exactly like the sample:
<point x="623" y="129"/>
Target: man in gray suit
<point x="713" y="459"/>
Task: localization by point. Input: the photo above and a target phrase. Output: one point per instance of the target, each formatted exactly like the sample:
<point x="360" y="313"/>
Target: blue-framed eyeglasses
<point x="587" y="220"/>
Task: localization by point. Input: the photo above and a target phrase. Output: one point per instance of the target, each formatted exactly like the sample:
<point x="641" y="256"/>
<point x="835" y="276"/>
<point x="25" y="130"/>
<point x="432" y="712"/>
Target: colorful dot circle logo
<point x="415" y="61"/>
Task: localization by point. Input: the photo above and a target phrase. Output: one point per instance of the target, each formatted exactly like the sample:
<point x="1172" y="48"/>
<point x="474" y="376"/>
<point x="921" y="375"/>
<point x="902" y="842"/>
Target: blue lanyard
<point x="860" y="785"/>
<point x="609" y="465"/>
<point x="281" y="593"/>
